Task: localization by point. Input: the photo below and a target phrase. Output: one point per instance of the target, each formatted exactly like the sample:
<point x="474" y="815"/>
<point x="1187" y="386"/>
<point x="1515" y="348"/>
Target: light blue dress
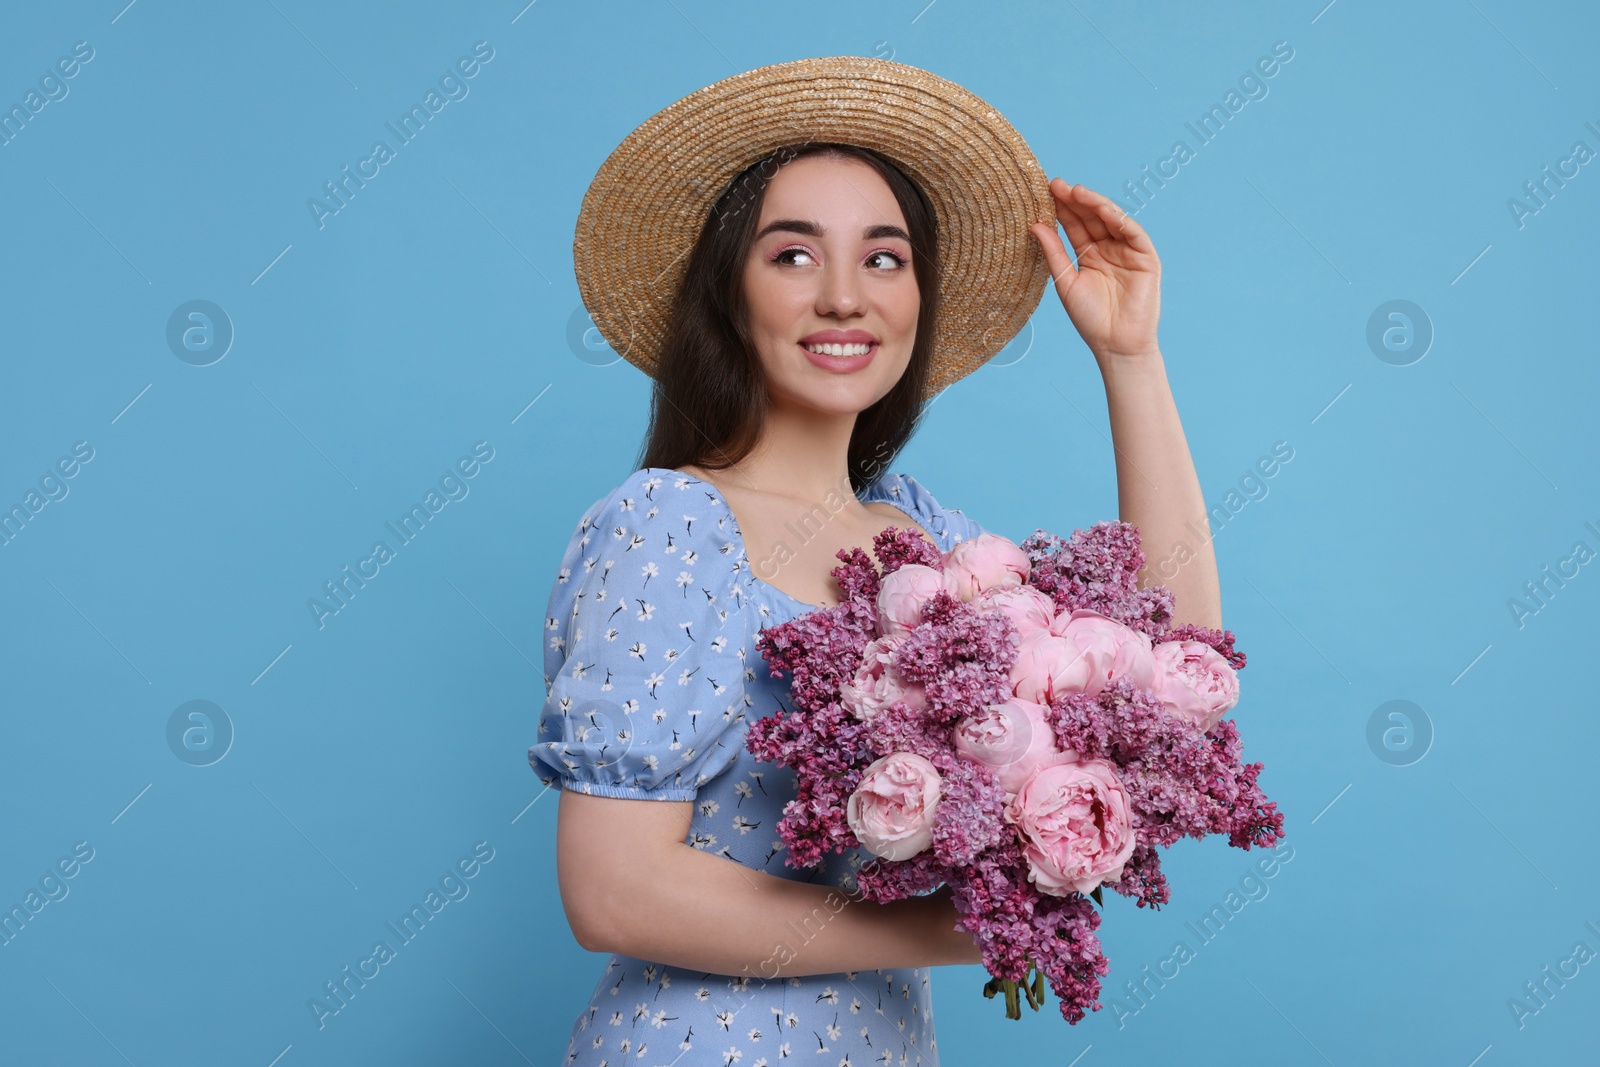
<point x="653" y="676"/>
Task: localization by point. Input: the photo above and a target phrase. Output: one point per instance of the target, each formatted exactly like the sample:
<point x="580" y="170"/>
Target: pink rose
<point x="891" y="811"/>
<point x="1028" y="608"/>
<point x="1108" y="649"/>
<point x="987" y="561"/>
<point x="1075" y="824"/>
<point x="902" y="595"/>
<point x="877" y="684"/>
<point x="1014" y="738"/>
<point x="1195" y="681"/>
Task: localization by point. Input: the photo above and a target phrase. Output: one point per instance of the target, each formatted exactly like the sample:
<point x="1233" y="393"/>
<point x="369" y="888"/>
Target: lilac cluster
<point x="1179" y="780"/>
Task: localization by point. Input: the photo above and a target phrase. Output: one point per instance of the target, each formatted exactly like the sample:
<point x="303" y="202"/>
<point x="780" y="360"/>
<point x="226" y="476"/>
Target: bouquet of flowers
<point x="1020" y="722"/>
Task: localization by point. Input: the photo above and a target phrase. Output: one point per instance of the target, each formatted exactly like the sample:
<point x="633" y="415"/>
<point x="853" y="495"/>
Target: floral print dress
<point x="653" y="676"/>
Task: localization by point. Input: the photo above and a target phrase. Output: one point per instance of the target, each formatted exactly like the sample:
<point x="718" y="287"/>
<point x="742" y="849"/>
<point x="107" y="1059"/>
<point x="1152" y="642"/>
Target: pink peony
<point x="1075" y="825"/>
<point x="1194" y="682"/>
<point x="1014" y="738"/>
<point x="987" y="561"/>
<point x="1028" y="609"/>
<point x="877" y="684"/>
<point x="891" y="810"/>
<point x="902" y="595"/>
<point x="1109" y="650"/>
<point x="1046" y="665"/>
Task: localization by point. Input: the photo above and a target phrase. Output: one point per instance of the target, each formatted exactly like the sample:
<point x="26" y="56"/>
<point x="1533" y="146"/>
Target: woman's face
<point x="831" y="264"/>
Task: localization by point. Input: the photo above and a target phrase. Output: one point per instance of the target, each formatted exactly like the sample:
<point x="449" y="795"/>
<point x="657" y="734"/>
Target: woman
<point x="796" y="351"/>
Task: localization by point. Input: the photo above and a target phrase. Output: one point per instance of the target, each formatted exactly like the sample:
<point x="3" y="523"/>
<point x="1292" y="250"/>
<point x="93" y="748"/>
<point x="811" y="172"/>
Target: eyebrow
<point x="813" y="229"/>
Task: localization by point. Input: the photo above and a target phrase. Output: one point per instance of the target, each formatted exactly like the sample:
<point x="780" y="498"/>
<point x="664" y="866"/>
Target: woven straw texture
<point x="645" y="208"/>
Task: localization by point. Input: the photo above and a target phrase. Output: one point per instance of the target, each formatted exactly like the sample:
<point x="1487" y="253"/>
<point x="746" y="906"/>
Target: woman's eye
<point x="785" y="256"/>
<point x="781" y="257"/>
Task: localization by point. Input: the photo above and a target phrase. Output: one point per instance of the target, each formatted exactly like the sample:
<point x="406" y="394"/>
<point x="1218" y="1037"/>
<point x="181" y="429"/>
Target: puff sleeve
<point x="950" y="525"/>
<point x="646" y="642"/>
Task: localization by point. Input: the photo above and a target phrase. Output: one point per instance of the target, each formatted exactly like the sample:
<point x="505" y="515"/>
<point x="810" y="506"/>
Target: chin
<point x="836" y="394"/>
<point x="839" y="397"/>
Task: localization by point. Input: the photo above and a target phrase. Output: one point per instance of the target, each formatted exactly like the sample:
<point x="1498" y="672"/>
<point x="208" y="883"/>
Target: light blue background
<point x="434" y="310"/>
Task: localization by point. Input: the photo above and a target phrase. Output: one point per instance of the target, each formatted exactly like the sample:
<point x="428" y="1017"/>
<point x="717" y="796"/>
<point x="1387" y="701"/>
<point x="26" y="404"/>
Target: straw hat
<point x="649" y="200"/>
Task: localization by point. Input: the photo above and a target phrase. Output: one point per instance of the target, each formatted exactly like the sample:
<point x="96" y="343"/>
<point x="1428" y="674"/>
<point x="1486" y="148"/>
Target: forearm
<point x="1158" y="490"/>
<point x="700" y="911"/>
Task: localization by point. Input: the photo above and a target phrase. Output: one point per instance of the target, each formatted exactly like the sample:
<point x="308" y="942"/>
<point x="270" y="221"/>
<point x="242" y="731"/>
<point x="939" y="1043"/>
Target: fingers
<point x="1102" y="217"/>
<point x="1055" y="253"/>
<point x="1074" y="222"/>
<point x="1070" y="204"/>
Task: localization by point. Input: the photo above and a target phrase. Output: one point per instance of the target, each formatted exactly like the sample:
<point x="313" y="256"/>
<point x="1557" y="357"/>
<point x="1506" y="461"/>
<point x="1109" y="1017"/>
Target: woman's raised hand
<point x="1113" y="293"/>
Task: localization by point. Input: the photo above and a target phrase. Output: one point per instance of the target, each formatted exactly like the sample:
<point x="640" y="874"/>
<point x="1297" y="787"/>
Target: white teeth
<point x="839" y="350"/>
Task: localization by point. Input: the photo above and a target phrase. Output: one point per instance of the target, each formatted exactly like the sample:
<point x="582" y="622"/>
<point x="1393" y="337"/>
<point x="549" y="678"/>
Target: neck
<point x="804" y="455"/>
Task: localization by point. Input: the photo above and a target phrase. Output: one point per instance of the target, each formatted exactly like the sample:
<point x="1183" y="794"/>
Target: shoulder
<point x="908" y="494"/>
<point x="659" y="542"/>
<point x="657" y="493"/>
<point x="654" y="519"/>
<point x="657" y="510"/>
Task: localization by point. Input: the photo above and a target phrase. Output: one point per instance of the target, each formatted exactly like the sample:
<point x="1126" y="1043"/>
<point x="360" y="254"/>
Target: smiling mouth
<point x="841" y="351"/>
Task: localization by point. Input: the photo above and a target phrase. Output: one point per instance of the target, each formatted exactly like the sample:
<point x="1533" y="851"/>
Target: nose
<point x="839" y="291"/>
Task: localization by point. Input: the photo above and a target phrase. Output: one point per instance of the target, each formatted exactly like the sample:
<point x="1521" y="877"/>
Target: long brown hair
<point x="710" y="398"/>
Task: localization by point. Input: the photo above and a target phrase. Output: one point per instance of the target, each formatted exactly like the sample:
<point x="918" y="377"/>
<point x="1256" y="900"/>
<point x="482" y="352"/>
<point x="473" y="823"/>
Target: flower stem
<point x="1032" y="986"/>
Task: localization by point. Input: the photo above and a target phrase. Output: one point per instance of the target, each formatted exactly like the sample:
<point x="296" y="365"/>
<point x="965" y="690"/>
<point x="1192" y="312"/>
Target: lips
<point x="839" y="337"/>
<point x="841" y="364"/>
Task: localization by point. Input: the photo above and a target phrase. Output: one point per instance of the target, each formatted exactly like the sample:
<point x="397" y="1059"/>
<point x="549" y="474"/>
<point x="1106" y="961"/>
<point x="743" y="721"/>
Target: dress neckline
<point x="744" y="552"/>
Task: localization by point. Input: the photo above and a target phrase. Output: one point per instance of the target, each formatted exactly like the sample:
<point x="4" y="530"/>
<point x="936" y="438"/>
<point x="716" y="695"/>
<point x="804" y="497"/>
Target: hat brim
<point x="644" y="211"/>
